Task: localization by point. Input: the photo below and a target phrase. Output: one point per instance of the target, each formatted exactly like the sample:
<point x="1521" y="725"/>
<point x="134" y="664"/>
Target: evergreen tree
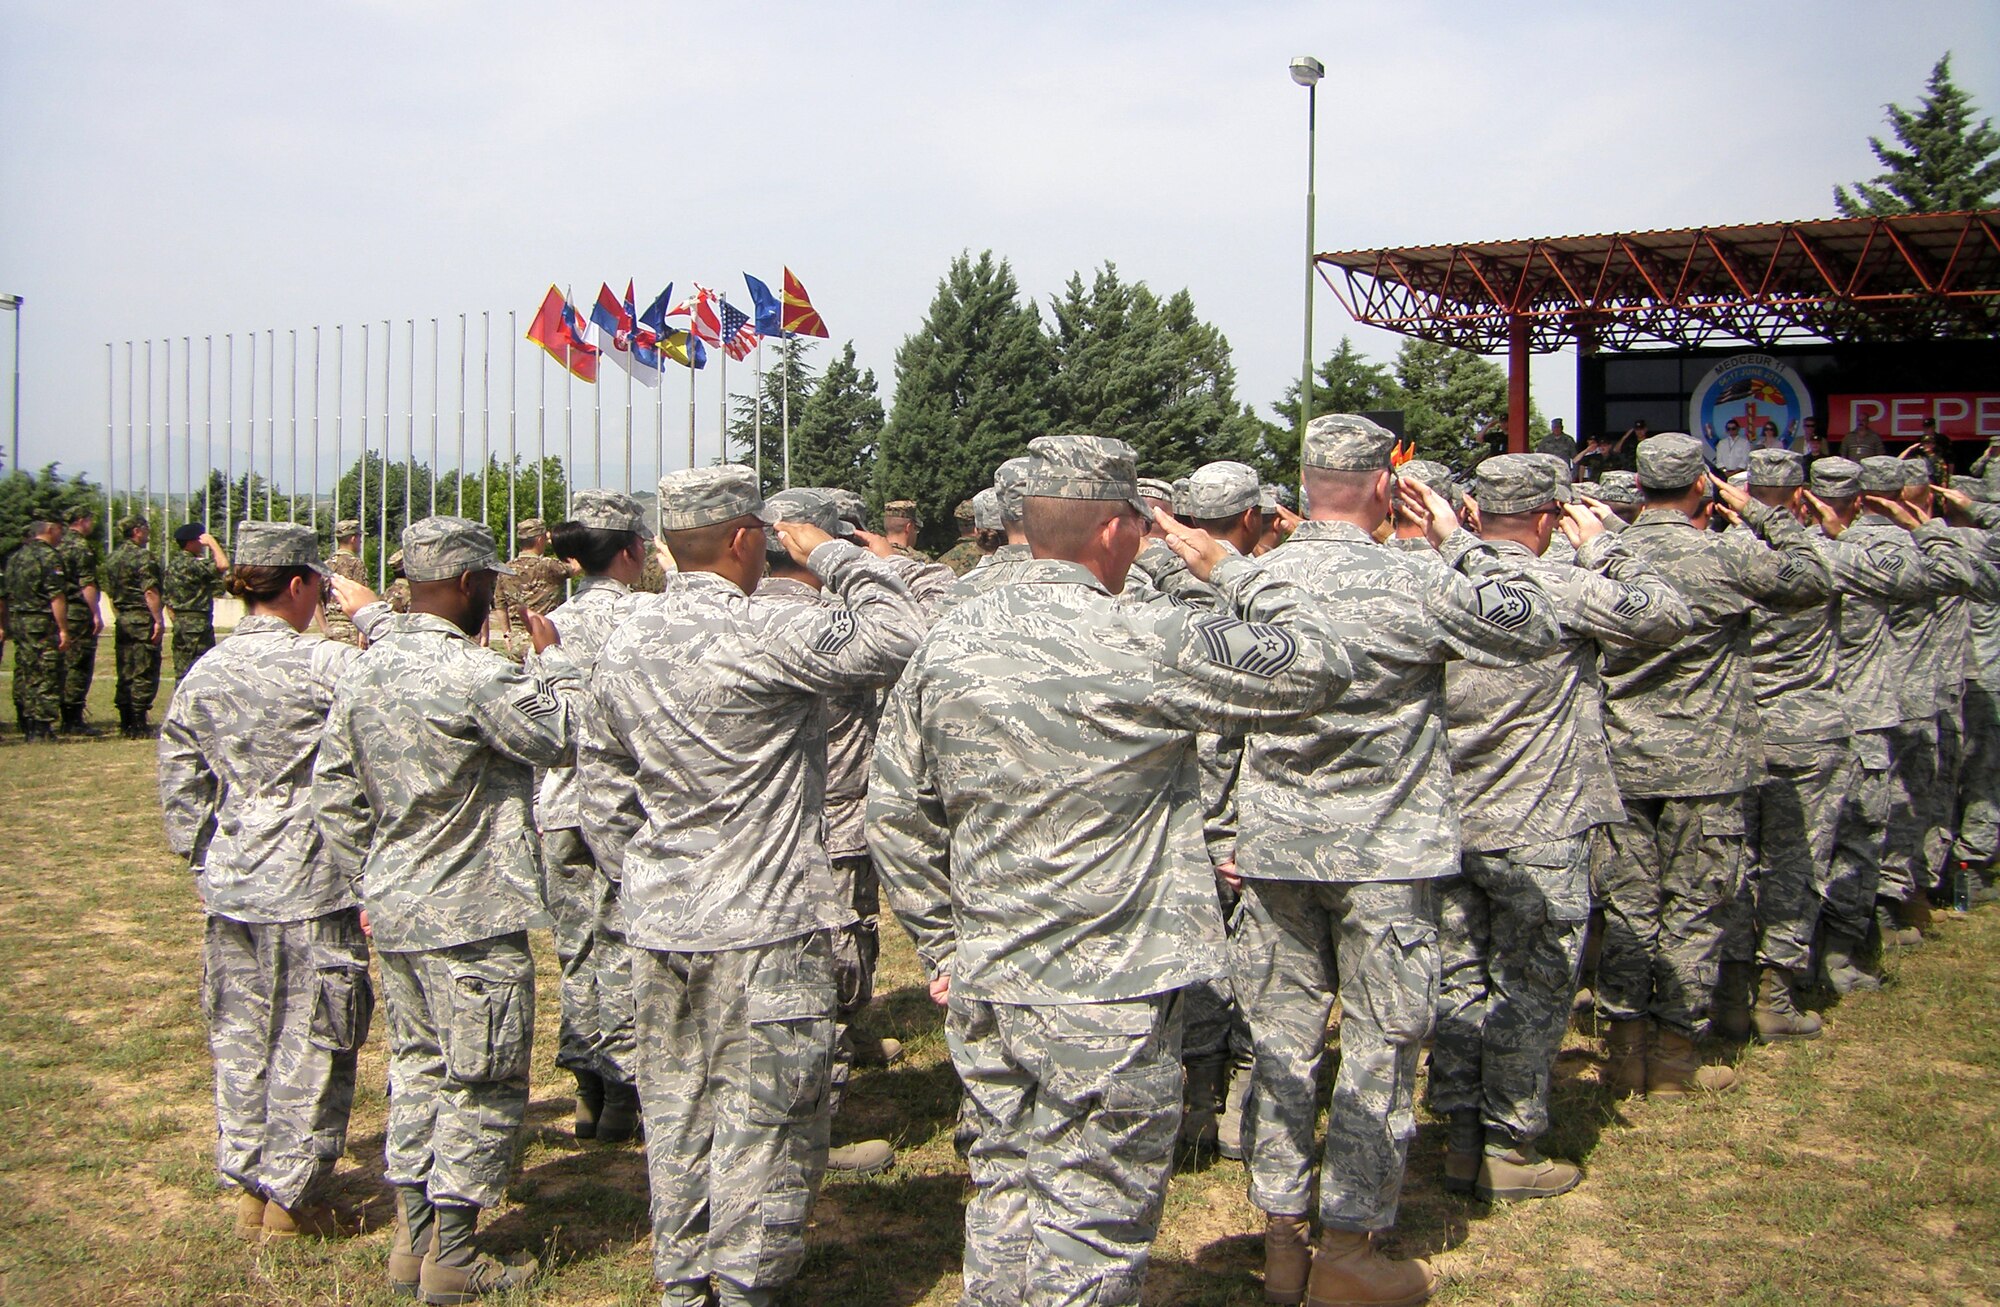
<point x="972" y="387"/>
<point x="743" y="421"/>
<point x="1348" y="381"/>
<point x="838" y="434"/>
<point x="1946" y="163"/>
<point x="49" y="496"/>
<point x="1450" y="397"/>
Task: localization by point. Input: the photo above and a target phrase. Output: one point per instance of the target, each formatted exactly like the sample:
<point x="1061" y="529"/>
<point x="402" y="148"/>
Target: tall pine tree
<point x="1346" y="381"/>
<point x="1946" y="164"/>
<point x="743" y="421"/>
<point x="837" y="436"/>
<point x="972" y="389"/>
<point x="1450" y="396"/>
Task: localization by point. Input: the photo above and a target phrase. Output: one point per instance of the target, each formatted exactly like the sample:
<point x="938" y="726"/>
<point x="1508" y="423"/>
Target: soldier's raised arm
<point x="1792" y="573"/>
<point x="1615" y="598"/>
<point x="827" y="650"/>
<point x="526" y="716"/>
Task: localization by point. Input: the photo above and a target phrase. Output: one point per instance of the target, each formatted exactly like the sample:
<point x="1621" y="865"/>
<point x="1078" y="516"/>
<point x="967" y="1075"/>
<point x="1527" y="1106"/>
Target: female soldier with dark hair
<point x="285" y="960"/>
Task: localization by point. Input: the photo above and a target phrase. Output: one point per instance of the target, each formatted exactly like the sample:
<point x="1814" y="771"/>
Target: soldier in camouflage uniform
<point x="538" y="582"/>
<point x="194" y="575"/>
<point x="132" y="575"/>
<point x="78" y="552"/>
<point x="997" y="567"/>
<point x="1976" y="845"/>
<point x="1686" y="746"/>
<point x="346" y="561"/>
<point x="608" y="537"/>
<point x="285" y="962"/>
<point x="900" y="525"/>
<point x="35" y="616"/>
<point x="1618" y="490"/>
<point x="1345" y="826"/>
<point x="1059" y="922"/>
<point x="1532" y="775"/>
<point x="703" y="797"/>
<point x="424" y="787"/>
<point x="1943" y="647"/>
<point x="399" y="585"/>
<point x="961" y="556"/>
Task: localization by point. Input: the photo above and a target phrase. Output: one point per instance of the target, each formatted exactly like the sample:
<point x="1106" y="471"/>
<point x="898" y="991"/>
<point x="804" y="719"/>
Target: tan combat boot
<point x="1519" y="1173"/>
<point x="869" y="1157"/>
<point x="1464" y="1138"/>
<point x="415" y="1225"/>
<point x="1674" y="1068"/>
<point x="1348" y="1272"/>
<point x="455" y="1272"/>
<point x="1287" y="1259"/>
<point x="1777" y="1015"/>
<point x="1625" y="1065"/>
<point x="249" y="1215"/>
<point x="312" y="1220"/>
<point x="1235" y="1101"/>
<point x="1889" y="924"/>
<point x="1840" y="961"/>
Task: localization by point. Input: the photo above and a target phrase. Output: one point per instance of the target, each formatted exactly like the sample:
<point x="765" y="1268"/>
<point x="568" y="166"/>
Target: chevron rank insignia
<point x="838" y="634"/>
<point x="1503" y="603"/>
<point x="1249" y="647"/>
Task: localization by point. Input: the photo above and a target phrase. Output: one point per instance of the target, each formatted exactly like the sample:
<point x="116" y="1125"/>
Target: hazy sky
<point x="193" y="169"/>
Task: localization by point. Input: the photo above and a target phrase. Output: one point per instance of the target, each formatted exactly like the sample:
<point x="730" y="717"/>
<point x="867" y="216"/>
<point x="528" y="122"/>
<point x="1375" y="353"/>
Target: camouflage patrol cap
<point x="1180" y="496"/>
<point x="1155" y="488"/>
<point x="130" y="523"/>
<point x="440" y="548"/>
<point x="1739" y="479"/>
<point x="903" y="508"/>
<point x="1269" y="497"/>
<point x="808" y="505"/>
<point x="1346" y="442"/>
<point x="1777" y="468"/>
<point x="609" y="510"/>
<point x="81" y="509"/>
<point x="530" y="528"/>
<point x="1007" y="479"/>
<point x="1881" y="475"/>
<point x="396" y="563"/>
<point x="1222" y="489"/>
<point x="963" y="513"/>
<point x="1559" y="472"/>
<point x="1835" y="478"/>
<point x="1618" y="486"/>
<point x="1669" y="461"/>
<point x="1986" y="487"/>
<point x="703" y="496"/>
<point x="345" y="527"/>
<point x="278" y="544"/>
<point x="1590" y="488"/>
<point x="1083" y="467"/>
<point x="1514" y="483"/>
<point x="1916" y="472"/>
<point x="986" y="510"/>
<point x="852" y="508"/>
<point x="1427" y="470"/>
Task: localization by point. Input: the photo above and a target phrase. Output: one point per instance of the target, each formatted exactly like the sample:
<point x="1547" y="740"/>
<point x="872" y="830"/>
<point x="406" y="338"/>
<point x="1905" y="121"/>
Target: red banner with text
<point x="1960" y="415"/>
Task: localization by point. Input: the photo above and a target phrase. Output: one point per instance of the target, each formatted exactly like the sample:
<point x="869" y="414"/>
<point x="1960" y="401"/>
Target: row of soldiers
<point x="1148" y="802"/>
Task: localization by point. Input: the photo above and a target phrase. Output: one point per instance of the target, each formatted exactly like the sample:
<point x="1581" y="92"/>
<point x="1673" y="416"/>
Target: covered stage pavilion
<point x="1909" y="278"/>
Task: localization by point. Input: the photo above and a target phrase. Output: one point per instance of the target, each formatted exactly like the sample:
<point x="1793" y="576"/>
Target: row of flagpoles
<point x="632" y="340"/>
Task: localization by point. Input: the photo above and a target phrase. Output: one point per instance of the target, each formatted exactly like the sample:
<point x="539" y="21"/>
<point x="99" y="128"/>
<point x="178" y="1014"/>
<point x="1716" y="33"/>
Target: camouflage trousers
<point x="287" y="1004"/>
<point x="193" y="635"/>
<point x="1295" y="945"/>
<point x="1078" y="1106"/>
<point x="735" y="1070"/>
<point x="138" y="663"/>
<point x="1913" y="777"/>
<point x="596" y="1032"/>
<point x="1940" y="809"/>
<point x="80" y="663"/>
<point x="461" y="1030"/>
<point x="1510" y="932"/>
<point x="1669" y="893"/>
<point x="1793" y="819"/>
<point x="1978" y="842"/>
<point x="1849" y="905"/>
<point x="38" y="664"/>
<point x="1215" y="1026"/>
<point x="855" y="950"/>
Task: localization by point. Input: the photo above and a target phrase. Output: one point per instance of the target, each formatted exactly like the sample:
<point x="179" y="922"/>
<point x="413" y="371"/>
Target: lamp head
<point x="1306" y="70"/>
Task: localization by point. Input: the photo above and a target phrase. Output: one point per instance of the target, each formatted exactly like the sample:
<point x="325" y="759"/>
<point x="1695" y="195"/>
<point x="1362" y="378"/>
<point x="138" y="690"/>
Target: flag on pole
<point x="738" y="336"/>
<point x="770" y="314"/>
<point x="556" y="329"/>
<point x="801" y="319"/>
<point x="622" y="339"/>
<point x="656" y="313"/>
<point x="684" y="350"/>
<point x="704" y="323"/>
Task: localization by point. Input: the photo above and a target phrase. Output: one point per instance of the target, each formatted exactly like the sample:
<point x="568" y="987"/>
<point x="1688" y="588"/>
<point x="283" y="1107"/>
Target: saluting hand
<point x="1894" y="509"/>
<point x="1197" y="548"/>
<point x="351" y="595"/>
<point x="1956" y="505"/>
<point x="1580" y="525"/>
<point x="800" y="539"/>
<point x="1427" y="505"/>
<point x="874" y="544"/>
<point x="541" y="631"/>
<point x="1288" y="522"/>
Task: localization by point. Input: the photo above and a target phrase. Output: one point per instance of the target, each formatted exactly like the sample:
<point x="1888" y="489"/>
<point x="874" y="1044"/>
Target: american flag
<point x="738" y="336"/>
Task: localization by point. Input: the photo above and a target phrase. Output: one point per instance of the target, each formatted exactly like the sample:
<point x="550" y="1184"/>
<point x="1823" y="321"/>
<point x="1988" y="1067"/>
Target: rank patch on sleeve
<point x="1631" y="601"/>
<point x="1503" y="603"/>
<point x="539" y="704"/>
<point x="1250" y="647"/>
<point x="839" y="633"/>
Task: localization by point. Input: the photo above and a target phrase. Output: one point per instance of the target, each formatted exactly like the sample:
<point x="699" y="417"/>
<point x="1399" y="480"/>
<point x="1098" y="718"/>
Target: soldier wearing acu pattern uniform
<point x="194" y="576"/>
<point x="703" y="797"/>
<point x="1976" y="845"/>
<point x="424" y="787"/>
<point x="78" y="552"/>
<point x="1346" y="824"/>
<point x="1532" y="776"/>
<point x="961" y="556"/>
<point x="133" y="577"/>
<point x="1060" y="922"/>
<point x="34" y="615"/>
<point x="284" y="960"/>
<point x="345" y="562"/>
<point x="1686" y="746"/>
<point x="608" y="537"/>
<point x="537" y="582"/>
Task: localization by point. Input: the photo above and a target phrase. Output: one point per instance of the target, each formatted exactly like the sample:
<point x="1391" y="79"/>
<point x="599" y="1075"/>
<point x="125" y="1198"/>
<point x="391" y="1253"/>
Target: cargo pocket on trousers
<point x="791" y="1054"/>
<point x="781" y="1238"/>
<point x="1138" y="1110"/>
<point x="486" y="1039"/>
<point x="342" y="1010"/>
<point x="1407" y="996"/>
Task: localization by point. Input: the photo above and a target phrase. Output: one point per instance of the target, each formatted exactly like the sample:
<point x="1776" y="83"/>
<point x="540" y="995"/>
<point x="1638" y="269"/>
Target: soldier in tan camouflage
<point x="900" y="525"/>
<point x="346" y="562"/>
<point x="538" y="584"/>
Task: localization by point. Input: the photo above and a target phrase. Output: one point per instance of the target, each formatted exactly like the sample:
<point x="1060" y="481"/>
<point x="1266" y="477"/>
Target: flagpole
<point x="110" y="435"/>
<point x="167" y="432"/>
<point x="361" y="477"/>
<point x="149" y="436"/>
<point x="660" y="420"/>
<point x="459" y="511"/>
<point x="569" y="414"/>
<point x="542" y="437"/>
<point x="757" y="418"/>
<point x="131" y="431"/>
<point x="313" y="511"/>
<point x="292" y="473"/>
<point x="785" y="400"/>
<point x="597" y="435"/>
<point x="634" y="352"/>
<point x="691" y="390"/>
<point x="410" y="429"/>
<point x="229" y="436"/>
<point x="513" y="436"/>
<point x="486" y="416"/>
<point x="207" y="433"/>
<point x="382" y="515"/>
<point x="722" y="389"/>
<point x="436" y="356"/>
<point x="187" y="413"/>
<point x="270" y="426"/>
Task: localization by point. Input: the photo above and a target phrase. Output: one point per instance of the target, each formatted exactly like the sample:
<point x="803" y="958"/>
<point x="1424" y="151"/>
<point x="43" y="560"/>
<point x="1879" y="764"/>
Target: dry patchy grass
<point x="1860" y="1169"/>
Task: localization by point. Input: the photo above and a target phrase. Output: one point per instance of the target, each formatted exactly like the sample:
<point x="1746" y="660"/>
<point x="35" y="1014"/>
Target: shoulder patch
<point x="1504" y="604"/>
<point x="839" y="633"/>
<point x="538" y="704"/>
<point x="1250" y="647"/>
<point x="1887" y="557"/>
<point x="1632" y="601"/>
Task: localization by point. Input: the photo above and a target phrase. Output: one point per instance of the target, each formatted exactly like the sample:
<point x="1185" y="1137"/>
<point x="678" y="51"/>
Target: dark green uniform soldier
<point x="81" y="566"/>
<point x="133" y="577"/>
<point x="35" y="620"/>
<point x="194" y="575"/>
<point x="961" y="556"/>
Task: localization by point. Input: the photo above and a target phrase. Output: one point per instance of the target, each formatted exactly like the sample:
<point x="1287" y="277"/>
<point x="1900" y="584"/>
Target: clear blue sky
<point x="196" y="169"/>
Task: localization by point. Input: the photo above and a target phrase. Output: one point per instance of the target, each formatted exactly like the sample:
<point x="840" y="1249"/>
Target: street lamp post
<point x="1307" y="71"/>
<point x="12" y="303"/>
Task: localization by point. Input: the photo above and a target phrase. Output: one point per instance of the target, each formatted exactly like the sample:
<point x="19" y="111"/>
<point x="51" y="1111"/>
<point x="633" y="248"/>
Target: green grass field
<point x="1864" y="1168"/>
